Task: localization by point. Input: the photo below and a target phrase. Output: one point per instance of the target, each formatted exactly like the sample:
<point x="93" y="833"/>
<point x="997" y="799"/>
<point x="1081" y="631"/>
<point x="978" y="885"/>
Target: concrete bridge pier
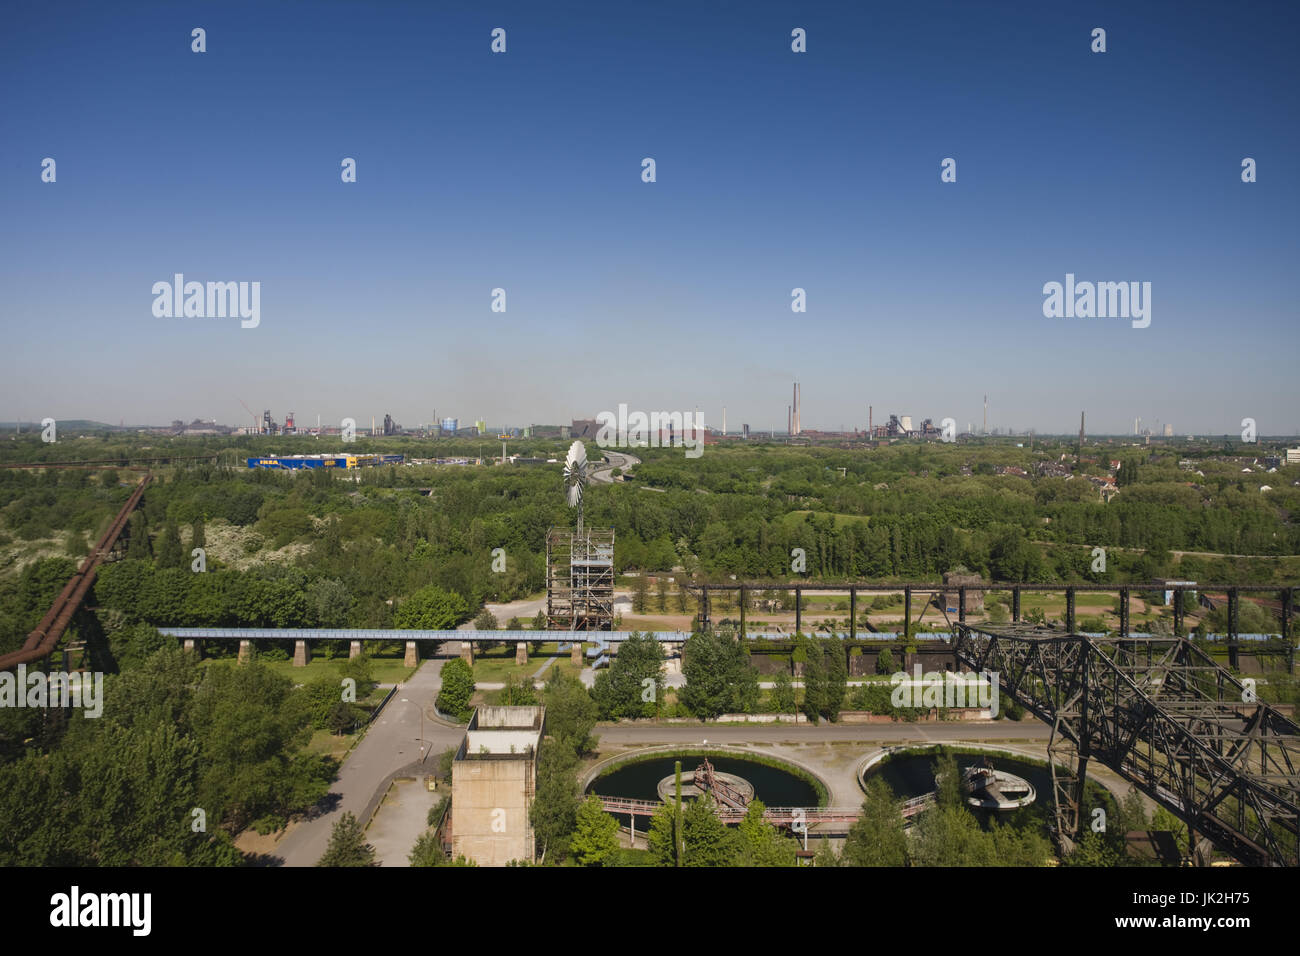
<point x="575" y="654"/>
<point x="354" y="650"/>
<point x="412" y="658"/>
<point x="193" y="646"/>
<point x="301" y="656"/>
<point x="521" y="653"/>
<point x="245" y="650"/>
<point x="467" y="652"/>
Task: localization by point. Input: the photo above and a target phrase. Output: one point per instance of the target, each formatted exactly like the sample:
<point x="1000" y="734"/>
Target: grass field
<point x="386" y="670"/>
<point x="494" y="665"/>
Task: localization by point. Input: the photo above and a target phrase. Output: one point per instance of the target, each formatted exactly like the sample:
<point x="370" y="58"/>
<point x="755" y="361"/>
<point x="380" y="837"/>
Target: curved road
<point x="613" y="459"/>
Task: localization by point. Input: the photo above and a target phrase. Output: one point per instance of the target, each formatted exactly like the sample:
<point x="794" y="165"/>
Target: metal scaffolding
<point x="580" y="579"/>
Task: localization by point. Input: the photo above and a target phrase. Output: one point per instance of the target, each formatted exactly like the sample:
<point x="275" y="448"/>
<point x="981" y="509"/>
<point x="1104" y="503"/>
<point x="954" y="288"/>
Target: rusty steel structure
<point x="839" y="817"/>
<point x="1123" y="592"/>
<point x="706" y="779"/>
<point x="46" y="636"/>
<point x="1163" y="715"/>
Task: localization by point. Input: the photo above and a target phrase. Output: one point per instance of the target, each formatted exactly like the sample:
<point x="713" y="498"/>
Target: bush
<point x="457" y="689"/>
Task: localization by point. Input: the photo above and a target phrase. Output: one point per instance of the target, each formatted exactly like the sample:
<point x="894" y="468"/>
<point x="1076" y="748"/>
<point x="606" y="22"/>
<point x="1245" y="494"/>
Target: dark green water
<point x="913" y="775"/>
<point x="638" y="781"/>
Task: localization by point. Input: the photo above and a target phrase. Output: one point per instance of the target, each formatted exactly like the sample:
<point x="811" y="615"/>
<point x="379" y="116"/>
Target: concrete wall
<point x="489" y="805"/>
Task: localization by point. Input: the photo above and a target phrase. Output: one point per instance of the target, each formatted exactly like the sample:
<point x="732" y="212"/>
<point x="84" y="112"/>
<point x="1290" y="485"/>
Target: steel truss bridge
<point x="1163" y="715"/>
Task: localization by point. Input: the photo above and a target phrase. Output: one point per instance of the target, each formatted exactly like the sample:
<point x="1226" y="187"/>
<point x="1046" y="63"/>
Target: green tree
<point x="633" y="684"/>
<point x="837" y="678"/>
<point x="427" y="851"/>
<point x="431" y="608"/>
<point x="138" y="546"/>
<point x="885" y="662"/>
<point x="877" y="838"/>
<point x="486" y="621"/>
<point x="457" y="689"/>
<point x="719" y="677"/>
<point x="1092" y="850"/>
<point x="760" y="843"/>
<point x="947" y="780"/>
<point x="783" y="696"/>
<point x="329" y="602"/>
<point x="198" y="535"/>
<point x="518" y="692"/>
<point x="661" y="594"/>
<point x="348" y="846"/>
<point x="816" y="692"/>
<point x="554" y="813"/>
<point x="661" y="837"/>
<point x="826" y="855"/>
<point x="595" y="835"/>
<point x="949" y="836"/>
<point x="570" y="713"/>
<point x="640" y="589"/>
<point x="706" y="839"/>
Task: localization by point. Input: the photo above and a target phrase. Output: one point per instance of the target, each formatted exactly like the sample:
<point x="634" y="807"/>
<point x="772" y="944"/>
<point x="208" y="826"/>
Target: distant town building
<point x="449" y="425"/>
<point x="1169" y="430"/>
<point x="297" y="462"/>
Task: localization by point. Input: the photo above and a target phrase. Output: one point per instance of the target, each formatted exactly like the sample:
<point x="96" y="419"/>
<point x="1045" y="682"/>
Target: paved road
<point x="632" y="733"/>
<point x="613" y="459"/>
<point x="391" y="743"/>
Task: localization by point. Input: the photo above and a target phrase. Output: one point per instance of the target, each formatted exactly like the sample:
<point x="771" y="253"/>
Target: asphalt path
<point x="637" y="733"/>
<point x="391" y="745"/>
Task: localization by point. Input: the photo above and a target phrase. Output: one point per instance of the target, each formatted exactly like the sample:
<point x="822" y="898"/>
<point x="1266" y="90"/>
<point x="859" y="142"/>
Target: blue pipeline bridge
<point x="595" y="646"/>
<point x="596" y="643"/>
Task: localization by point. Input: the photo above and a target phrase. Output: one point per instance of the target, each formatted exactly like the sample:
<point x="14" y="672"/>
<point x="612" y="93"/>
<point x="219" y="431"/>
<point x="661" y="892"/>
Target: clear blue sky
<point x="775" y="170"/>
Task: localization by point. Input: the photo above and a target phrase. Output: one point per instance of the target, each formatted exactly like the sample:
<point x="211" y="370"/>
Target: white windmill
<point x="575" y="478"/>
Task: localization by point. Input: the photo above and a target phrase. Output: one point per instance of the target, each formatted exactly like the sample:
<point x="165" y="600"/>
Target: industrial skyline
<point x="921" y="294"/>
<point x="385" y="423"/>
